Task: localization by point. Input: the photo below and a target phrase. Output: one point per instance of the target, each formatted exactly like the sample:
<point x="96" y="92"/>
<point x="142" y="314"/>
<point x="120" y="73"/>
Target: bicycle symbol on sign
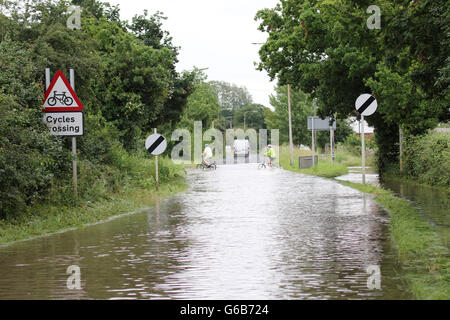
<point x="61" y="97"/>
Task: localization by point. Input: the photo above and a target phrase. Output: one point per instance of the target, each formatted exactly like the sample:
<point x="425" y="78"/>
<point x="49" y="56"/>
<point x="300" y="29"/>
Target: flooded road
<point x="237" y="233"/>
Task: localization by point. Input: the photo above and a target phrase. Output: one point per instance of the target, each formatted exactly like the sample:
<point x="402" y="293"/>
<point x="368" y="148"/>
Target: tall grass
<point x="343" y="159"/>
<point x="427" y="159"/>
<point x="420" y="250"/>
<point x="105" y="190"/>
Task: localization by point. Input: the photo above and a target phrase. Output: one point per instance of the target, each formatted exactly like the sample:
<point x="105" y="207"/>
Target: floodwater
<point x="433" y="204"/>
<point x="237" y="233"/>
<point x="355" y="175"/>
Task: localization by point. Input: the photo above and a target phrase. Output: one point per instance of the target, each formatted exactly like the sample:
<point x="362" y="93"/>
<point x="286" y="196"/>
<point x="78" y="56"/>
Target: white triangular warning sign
<point x="60" y="96"/>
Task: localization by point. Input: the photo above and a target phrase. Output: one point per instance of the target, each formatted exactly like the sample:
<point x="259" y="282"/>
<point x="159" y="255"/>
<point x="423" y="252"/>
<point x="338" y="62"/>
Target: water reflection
<point x="434" y="204"/>
<point x="237" y="233"/>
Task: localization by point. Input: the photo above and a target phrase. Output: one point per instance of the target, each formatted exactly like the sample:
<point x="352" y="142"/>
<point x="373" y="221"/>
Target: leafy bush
<point x="29" y="158"/>
<point x="427" y="158"/>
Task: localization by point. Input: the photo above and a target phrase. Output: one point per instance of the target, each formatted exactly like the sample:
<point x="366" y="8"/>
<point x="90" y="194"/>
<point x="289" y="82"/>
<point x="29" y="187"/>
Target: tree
<point x="29" y="156"/>
<point x="325" y="49"/>
<point x="231" y="97"/>
<point x="125" y="76"/>
<point x="203" y="105"/>
<point x="254" y="116"/>
<point x="301" y="108"/>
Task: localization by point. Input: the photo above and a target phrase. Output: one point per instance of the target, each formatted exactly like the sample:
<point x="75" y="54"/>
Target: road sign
<point x="156" y="144"/>
<point x="60" y="96"/>
<point x="65" y="123"/>
<point x="321" y="124"/>
<point x="366" y="104"/>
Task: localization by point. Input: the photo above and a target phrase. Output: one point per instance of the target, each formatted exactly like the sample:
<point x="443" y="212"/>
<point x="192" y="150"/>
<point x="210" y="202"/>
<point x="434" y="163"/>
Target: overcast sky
<point x="214" y="34"/>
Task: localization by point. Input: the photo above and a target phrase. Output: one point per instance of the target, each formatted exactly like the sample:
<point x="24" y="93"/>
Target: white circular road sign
<point x="156" y="144"/>
<point x="366" y="104"/>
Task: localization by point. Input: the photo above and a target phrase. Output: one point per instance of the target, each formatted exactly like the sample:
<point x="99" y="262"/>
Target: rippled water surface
<point x="237" y="233"/>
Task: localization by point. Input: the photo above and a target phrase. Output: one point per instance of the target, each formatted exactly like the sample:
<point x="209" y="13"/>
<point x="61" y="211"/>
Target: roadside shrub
<point x="99" y="139"/>
<point x="427" y="158"/>
<point x="29" y="158"/>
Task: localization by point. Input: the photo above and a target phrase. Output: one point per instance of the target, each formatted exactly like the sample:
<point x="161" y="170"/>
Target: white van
<point x="241" y="147"/>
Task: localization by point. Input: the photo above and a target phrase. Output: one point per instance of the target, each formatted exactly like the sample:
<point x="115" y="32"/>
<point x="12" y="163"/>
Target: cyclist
<point x="270" y="154"/>
<point x="207" y="154"/>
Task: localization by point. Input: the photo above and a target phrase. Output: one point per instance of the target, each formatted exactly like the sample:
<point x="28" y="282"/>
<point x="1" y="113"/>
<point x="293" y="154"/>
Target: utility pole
<point x="315" y="114"/>
<point x="291" y="144"/>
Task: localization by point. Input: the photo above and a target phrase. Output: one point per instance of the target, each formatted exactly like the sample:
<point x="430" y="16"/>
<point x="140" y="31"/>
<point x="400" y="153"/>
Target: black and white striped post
<point x="366" y="105"/>
<point x="156" y="144"/>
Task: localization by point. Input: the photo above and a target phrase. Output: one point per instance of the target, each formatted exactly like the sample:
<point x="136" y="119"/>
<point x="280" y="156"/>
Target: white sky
<point x="213" y="34"/>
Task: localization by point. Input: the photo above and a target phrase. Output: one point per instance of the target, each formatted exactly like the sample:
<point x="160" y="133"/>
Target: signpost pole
<point x="332" y="154"/>
<point x="331" y="144"/>
<point x="400" y="137"/>
<point x="365" y="105"/>
<point x="47" y="78"/>
<point x="74" y="145"/>
<point x="312" y="138"/>
<point x="363" y="151"/>
<point x="156" y="169"/>
<point x="314" y="131"/>
<point x="291" y="145"/>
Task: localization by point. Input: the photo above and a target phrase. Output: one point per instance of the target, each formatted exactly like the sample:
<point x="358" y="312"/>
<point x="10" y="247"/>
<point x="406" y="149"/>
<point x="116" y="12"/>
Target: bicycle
<point x="61" y="97"/>
<point x="272" y="165"/>
<point x="204" y="166"/>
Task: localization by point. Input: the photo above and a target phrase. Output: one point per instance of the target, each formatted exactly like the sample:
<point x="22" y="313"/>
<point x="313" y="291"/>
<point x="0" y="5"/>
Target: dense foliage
<point x="124" y="74"/>
<point x="301" y="109"/>
<point x="325" y="48"/>
<point x="427" y="158"/>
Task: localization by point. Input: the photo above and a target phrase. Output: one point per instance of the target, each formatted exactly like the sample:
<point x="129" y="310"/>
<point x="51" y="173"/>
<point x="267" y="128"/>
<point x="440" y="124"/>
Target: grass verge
<point x="132" y="194"/>
<point x="420" y="250"/>
<point x="323" y="169"/>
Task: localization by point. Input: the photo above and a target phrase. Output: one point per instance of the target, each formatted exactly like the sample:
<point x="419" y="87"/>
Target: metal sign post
<point x="332" y="145"/>
<point x="363" y="151"/>
<point x="156" y="144"/>
<point x="63" y="112"/>
<point x="316" y="124"/>
<point x="313" y="147"/>
<point x="156" y="169"/>
<point x="400" y="154"/>
<point x="366" y="105"/>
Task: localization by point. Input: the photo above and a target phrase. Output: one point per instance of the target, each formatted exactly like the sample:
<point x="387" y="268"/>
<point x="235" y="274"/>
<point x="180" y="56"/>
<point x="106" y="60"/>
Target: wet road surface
<point x="237" y="233"/>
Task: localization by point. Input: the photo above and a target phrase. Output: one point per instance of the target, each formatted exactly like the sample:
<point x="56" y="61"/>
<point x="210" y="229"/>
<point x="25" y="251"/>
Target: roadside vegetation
<point x="420" y="249"/>
<point x="347" y="154"/>
<point x="125" y="76"/>
<point x="422" y="252"/>
<point x="106" y="192"/>
<point x="426" y="160"/>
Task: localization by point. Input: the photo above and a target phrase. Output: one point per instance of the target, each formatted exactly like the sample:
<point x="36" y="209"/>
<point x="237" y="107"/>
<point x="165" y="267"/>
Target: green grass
<point x="322" y="169"/>
<point x="419" y="248"/>
<point x="132" y="194"/>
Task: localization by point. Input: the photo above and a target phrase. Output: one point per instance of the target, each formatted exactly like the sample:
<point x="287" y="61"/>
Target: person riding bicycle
<point x="207" y="154"/>
<point x="270" y="154"/>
